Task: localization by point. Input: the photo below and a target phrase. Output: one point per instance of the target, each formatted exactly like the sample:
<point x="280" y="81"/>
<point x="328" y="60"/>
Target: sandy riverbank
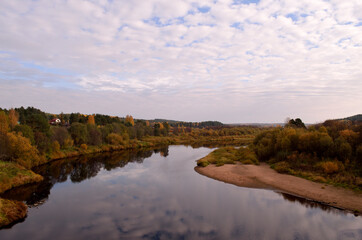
<point x="263" y="176"/>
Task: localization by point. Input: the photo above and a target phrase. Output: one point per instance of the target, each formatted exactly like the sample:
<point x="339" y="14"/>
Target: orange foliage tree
<point x="4" y="122"/>
<point x="91" y="120"/>
<point x="13" y="118"/>
<point x="129" y="120"/>
<point x="21" y="151"/>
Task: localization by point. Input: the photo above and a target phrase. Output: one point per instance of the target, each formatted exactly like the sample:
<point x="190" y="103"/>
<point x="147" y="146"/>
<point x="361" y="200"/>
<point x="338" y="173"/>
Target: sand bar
<point x="263" y="176"/>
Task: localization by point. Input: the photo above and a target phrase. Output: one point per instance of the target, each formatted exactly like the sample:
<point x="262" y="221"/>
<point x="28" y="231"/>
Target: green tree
<point x="79" y="133"/>
<point x="26" y="131"/>
<point x="39" y="123"/>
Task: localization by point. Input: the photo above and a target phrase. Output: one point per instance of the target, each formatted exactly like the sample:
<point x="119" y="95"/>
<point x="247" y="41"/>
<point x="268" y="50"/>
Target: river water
<point x="157" y="194"/>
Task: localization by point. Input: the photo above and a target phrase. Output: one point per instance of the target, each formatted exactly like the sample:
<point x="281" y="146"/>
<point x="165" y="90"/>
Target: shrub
<point x="83" y="146"/>
<point x="219" y="164"/>
<point x="319" y="179"/>
<point x="202" y="163"/>
<point x="115" y="139"/>
<point x="247" y="162"/>
<point x="56" y="146"/>
<point x="68" y="143"/>
<point x="330" y="167"/>
<point x="11" y="211"/>
<point x="282" y="167"/>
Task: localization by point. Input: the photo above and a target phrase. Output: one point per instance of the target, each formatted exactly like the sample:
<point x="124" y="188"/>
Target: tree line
<point x="30" y="137"/>
<point x="333" y="148"/>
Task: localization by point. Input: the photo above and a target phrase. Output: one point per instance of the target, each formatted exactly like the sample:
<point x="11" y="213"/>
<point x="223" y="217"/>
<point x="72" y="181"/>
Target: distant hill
<point x="357" y="117"/>
<point x="175" y="123"/>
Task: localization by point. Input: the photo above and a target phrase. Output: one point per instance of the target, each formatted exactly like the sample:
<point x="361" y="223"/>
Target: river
<point x="156" y="194"/>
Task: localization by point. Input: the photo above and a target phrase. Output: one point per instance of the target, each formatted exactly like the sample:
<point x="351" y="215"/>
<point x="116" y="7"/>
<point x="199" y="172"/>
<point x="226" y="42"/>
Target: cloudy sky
<point x="227" y="60"/>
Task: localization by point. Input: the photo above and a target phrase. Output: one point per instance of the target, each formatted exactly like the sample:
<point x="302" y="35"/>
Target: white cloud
<point x="219" y="57"/>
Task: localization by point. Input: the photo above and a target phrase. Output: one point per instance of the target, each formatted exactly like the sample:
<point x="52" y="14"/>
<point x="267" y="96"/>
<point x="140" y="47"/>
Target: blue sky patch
<point x="310" y="45"/>
<point x="204" y="9"/>
<point x="157" y="21"/>
<point x="45" y="69"/>
<point x="293" y="16"/>
<point x="238" y="2"/>
<point x="237" y="25"/>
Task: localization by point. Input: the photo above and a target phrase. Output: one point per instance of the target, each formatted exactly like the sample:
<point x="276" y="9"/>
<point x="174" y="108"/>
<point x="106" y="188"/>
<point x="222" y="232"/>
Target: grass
<point x="228" y="155"/>
<point x="342" y="179"/>
<point x="13" y="175"/>
<point x="11" y="211"/>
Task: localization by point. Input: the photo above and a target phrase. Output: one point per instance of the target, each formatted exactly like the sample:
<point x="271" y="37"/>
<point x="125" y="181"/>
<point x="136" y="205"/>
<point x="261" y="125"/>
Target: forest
<point x="31" y="137"/>
<point x="330" y="152"/>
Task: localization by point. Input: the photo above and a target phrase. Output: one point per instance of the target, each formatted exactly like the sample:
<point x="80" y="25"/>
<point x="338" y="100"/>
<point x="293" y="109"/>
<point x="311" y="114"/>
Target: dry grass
<point x="14" y="175"/>
<point x="228" y="155"/>
<point x="11" y="211"/>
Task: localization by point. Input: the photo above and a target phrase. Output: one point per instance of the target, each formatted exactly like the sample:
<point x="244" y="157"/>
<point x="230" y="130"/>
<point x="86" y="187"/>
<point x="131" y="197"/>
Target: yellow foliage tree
<point x="130" y="120"/>
<point x="4" y="122"/>
<point x="21" y="151"/>
<point x="349" y="135"/>
<point x="13" y="118"/>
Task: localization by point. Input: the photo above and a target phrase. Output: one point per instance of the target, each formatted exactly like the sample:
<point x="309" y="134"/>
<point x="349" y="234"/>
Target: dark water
<point x="158" y="195"/>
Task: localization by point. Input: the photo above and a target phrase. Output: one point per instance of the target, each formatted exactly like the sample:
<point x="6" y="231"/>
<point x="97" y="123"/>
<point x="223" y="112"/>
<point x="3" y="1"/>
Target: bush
<point x="83" y="147"/>
<point x="68" y="143"/>
<point x="56" y="146"/>
<point x="202" y="163"/>
<point x="60" y="134"/>
<point x="247" y="162"/>
<point x="115" y="139"/>
<point x="330" y="167"/>
<point x="219" y="164"/>
<point x="282" y="167"/>
<point x="319" y="179"/>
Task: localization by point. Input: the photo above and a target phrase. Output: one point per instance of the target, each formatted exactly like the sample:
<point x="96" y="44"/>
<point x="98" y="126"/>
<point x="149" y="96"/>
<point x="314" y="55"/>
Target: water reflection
<point x="157" y="197"/>
<point x="312" y="204"/>
<point x="77" y="169"/>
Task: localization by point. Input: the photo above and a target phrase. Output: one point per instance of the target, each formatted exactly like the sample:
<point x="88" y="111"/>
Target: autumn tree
<point x="60" y="134"/>
<point x="91" y="120"/>
<point x="4" y="122"/>
<point x="26" y="131"/>
<point x="94" y="135"/>
<point x="129" y="120"/>
<point x="21" y="151"/>
<point x="13" y="118"/>
<point x="4" y="127"/>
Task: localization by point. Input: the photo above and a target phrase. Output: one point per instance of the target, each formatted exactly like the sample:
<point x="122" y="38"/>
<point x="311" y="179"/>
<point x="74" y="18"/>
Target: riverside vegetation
<point x="30" y="137"/>
<point x="330" y="152"/>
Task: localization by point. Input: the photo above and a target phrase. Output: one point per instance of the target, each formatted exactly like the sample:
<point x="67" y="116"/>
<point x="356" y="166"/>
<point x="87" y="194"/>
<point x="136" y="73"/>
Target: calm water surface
<point x="158" y="195"/>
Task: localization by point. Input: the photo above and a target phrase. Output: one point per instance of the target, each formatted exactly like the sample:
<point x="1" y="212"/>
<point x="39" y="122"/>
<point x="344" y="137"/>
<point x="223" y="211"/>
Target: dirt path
<point x="263" y="176"/>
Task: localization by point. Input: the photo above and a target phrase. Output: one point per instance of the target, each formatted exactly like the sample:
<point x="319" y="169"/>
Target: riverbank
<point x="11" y="211"/>
<point x="13" y="175"/>
<point x="264" y="177"/>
